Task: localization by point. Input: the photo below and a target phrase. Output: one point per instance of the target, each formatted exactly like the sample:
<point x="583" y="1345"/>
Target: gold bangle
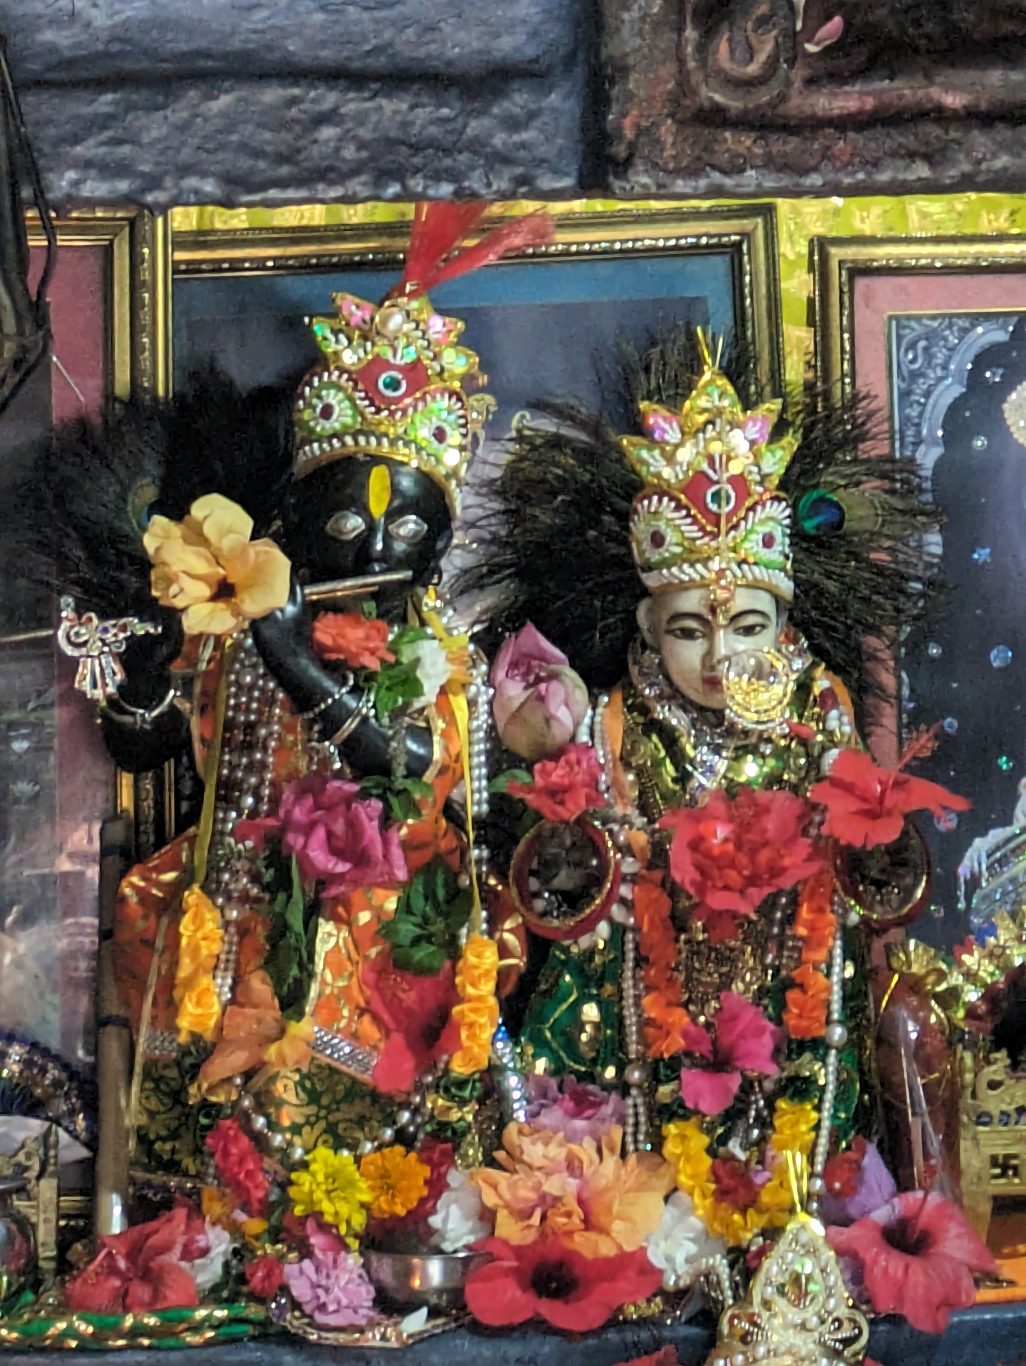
<point x="360" y="713"/>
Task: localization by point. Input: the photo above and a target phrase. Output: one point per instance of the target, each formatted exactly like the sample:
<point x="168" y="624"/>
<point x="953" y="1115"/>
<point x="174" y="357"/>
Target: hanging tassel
<point x="438" y="230"/>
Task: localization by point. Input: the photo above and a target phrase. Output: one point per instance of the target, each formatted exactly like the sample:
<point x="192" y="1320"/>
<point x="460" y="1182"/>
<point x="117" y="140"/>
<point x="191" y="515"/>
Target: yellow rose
<point x="199" y="1011"/>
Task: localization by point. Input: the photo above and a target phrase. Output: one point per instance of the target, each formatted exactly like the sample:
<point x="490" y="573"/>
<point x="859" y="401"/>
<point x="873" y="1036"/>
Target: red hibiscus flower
<point x="565" y="787"/>
<point x="866" y="805"/>
<point x="547" y="1280"/>
<point x="744" y="1041"/>
<point x="916" y="1256"/>
<point x="358" y="641"/>
<point x="417" y="1012"/>
<point x="141" y="1270"/>
<point x="264" y="1276"/>
<point x="731" y="853"/>
<point x="238" y="1165"/>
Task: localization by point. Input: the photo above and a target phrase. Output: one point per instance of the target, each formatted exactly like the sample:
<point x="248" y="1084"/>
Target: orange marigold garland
<point x="665" y="1019"/>
<point x="815" y="925"/>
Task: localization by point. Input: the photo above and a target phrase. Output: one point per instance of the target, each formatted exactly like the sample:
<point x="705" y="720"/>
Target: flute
<point x="351" y="588"/>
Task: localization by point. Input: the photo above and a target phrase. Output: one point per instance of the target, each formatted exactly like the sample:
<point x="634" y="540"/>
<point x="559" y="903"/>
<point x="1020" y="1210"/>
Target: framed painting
<point x="57" y="784"/>
<point x="933" y="331"/>
<point x="543" y="322"/>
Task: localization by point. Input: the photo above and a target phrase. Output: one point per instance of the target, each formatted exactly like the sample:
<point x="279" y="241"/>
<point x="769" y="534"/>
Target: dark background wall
<point x="258" y="101"/>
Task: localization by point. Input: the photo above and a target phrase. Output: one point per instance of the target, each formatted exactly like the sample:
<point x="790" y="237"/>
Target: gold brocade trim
<point x="187" y="1328"/>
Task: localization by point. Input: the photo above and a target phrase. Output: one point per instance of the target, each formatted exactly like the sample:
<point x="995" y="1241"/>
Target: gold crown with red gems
<point x="392" y="382"/>
<point x="709" y="512"/>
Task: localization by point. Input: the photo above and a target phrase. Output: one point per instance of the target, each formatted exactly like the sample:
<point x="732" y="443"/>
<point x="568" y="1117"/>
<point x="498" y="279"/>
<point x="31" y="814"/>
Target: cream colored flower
<point x="208" y="568"/>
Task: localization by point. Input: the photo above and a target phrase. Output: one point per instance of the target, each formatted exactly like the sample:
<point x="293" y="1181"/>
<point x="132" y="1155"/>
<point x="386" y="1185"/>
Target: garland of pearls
<point x="251" y="730"/>
<point x="836" y="1037"/>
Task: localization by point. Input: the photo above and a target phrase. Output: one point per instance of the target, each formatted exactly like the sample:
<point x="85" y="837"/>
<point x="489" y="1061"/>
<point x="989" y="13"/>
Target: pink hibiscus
<point x="743" y="1041"/>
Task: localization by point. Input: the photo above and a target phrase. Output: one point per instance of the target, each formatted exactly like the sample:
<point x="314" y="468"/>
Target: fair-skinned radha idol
<point x="701" y="844"/>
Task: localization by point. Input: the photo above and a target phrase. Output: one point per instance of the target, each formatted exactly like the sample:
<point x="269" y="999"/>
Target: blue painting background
<point x="538" y="326"/>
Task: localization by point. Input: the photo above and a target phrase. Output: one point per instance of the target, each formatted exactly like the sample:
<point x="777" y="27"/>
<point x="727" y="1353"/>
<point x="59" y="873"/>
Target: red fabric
<point x="417" y="1011"/>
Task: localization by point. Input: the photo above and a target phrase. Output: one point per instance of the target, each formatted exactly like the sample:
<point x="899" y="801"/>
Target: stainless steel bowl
<point x="408" y="1280"/>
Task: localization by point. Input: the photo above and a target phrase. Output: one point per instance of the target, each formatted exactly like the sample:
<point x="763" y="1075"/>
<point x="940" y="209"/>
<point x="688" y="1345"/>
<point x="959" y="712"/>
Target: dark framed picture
<point x="544" y="323"/>
<point x="934" y="331"/>
<point x="57" y="784"/>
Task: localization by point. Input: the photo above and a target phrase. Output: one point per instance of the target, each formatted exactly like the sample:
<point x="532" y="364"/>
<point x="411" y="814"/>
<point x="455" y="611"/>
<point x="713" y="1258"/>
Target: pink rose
<point x="539" y="700"/>
<point x="581" y="1111"/>
<point x="337" y="836"/>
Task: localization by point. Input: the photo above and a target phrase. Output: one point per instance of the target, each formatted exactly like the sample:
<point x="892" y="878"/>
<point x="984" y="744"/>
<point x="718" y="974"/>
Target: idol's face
<point x="366" y="515"/>
<point x="682" y="625"/>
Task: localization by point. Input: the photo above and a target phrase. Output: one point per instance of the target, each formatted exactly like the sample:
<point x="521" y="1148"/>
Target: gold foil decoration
<point x="797" y="1309"/>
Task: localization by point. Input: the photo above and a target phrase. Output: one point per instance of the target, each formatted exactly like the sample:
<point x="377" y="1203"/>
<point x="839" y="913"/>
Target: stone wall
<point x="246" y="101"/>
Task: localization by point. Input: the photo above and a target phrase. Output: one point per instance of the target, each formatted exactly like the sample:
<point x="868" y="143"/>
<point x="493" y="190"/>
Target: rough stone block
<point x="278" y="142"/>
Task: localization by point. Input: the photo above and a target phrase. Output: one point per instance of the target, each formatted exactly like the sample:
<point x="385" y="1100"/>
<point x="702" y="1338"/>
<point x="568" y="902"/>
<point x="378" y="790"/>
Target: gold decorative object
<point x="35" y="1167"/>
<point x="797" y="1309"/>
<point x="1014" y="409"/>
<point x="758" y="686"/>
<point x="993" y="1144"/>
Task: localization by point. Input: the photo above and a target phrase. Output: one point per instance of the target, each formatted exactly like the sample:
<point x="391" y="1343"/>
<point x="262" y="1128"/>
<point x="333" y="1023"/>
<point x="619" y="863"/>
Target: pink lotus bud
<point x="539" y="700"/>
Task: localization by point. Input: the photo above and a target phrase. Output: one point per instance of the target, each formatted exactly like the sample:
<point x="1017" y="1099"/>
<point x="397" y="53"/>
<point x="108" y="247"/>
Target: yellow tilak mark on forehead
<point x="379" y="491"/>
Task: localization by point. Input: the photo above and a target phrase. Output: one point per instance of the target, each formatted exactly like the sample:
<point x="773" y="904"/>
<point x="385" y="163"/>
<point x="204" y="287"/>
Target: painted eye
<point x="409" y="529"/>
<point x="392" y="384"/>
<point x="346" y="525"/>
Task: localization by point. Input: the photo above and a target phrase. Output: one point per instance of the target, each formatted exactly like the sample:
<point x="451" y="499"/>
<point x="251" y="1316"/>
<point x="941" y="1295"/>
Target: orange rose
<point x="358" y="641"/>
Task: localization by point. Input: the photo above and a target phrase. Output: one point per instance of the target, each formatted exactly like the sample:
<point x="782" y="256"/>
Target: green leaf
<point x="501" y="782"/>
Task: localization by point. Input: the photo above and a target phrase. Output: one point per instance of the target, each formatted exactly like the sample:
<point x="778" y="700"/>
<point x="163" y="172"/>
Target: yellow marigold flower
<point x="478" y="969"/>
<point x="199" y="1011"/>
<point x="200" y="937"/>
<point x="686" y="1148"/>
<point x="207" y="566"/>
<point x="218" y="1206"/>
<point x="331" y="1186"/>
<point x="478" y="1020"/>
<point x="794" y="1127"/>
<point x="397" y="1179"/>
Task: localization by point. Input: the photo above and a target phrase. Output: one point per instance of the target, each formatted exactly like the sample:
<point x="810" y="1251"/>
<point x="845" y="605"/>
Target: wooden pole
<point x="113" y="1045"/>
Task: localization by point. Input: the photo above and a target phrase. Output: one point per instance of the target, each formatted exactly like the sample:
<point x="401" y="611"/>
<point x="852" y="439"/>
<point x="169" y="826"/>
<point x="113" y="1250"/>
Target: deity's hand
<point x="284" y="636"/>
<point x="141" y="726"/>
<point x="147" y="659"/>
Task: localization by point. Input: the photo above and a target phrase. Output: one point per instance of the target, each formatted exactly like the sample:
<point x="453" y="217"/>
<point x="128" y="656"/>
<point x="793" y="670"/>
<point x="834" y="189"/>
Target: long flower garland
<point x="686" y="1148"/>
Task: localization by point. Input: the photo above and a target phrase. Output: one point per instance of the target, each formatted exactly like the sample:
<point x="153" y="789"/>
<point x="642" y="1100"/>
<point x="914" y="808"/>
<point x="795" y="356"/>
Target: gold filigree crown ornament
<point x="797" y="1309"/>
<point x="709" y="514"/>
<point x="393" y="380"/>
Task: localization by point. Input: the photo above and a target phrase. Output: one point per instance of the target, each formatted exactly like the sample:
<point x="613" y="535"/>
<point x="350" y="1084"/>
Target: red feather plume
<point x="439" y="228"/>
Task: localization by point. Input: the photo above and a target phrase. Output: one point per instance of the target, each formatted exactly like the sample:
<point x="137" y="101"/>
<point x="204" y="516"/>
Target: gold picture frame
<point x="744" y="234"/>
<point x="839" y="263"/>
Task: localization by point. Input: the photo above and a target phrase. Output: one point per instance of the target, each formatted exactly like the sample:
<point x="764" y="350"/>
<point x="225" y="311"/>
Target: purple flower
<point x="581" y="1111"/>
<point x="875" y="1186"/>
<point x="332" y="1289"/>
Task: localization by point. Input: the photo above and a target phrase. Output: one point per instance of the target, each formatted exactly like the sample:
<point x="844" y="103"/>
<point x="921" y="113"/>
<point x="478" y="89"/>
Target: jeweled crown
<point x="710" y="513"/>
<point x="392" y="382"/>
